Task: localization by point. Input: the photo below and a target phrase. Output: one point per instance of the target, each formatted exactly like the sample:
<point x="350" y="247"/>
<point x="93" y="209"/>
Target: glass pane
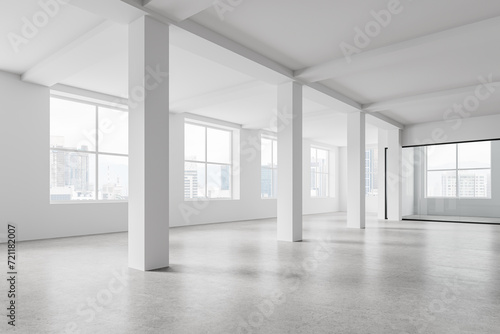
<point x="314" y="185"/>
<point x="314" y="164"/>
<point x="265" y="153"/>
<point x="113" y="177"/>
<point x="219" y="146"/>
<point x="266" y="182"/>
<point x="322" y="160"/>
<point x="72" y="176"/>
<point x="323" y="186"/>
<point x="275" y="153"/>
<point x="442" y="184"/>
<point x="113" y="131"/>
<point x="194" y="180"/>
<point x="218" y="181"/>
<point x="442" y="157"/>
<point x="474" y="155"/>
<point x="313" y="155"/>
<point x="275" y="183"/>
<point x="475" y="183"/>
<point x="72" y="125"/>
<point x="194" y="142"/>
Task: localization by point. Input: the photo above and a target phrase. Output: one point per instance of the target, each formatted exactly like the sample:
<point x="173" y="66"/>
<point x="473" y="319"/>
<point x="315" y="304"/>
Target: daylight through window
<point x="88" y="151"/>
<point x="208" y="162"/>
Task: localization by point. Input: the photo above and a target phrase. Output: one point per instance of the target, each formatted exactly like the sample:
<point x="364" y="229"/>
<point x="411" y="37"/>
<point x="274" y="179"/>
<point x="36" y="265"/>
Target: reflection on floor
<point x="393" y="277"/>
<point x="454" y="219"/>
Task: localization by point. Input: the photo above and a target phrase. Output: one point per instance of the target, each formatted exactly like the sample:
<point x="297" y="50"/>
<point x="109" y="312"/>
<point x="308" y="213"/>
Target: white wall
<point x="24" y="177"/>
<point x="463" y="129"/>
<point x="24" y="172"/>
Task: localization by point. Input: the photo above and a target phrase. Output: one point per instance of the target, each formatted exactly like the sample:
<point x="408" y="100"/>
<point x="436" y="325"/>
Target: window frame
<point x="372" y="174"/>
<point x="95" y="152"/>
<point x="272" y="168"/>
<point x="456" y="170"/>
<point x="314" y="147"/>
<point x="207" y="126"/>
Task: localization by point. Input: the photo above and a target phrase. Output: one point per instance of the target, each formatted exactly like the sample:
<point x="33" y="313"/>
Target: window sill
<point x="88" y="202"/>
<point x="209" y="199"/>
<point x="458" y="198"/>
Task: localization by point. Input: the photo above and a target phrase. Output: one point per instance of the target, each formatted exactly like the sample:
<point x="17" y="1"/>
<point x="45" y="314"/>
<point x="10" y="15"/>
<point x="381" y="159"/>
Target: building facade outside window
<point x="269" y="166"/>
<point x="469" y="163"/>
<point x="320" y="172"/>
<point x="88" y="151"/>
<point x="208" y="161"/>
<point x="371" y="172"/>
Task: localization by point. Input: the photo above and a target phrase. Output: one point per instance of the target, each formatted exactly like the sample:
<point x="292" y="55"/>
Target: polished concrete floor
<point x="393" y="277"/>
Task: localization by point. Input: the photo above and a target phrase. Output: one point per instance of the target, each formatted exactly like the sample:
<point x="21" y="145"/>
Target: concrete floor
<point x="393" y="277"/>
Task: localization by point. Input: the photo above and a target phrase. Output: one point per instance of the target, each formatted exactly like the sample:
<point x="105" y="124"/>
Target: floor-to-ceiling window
<point x="456" y="182"/>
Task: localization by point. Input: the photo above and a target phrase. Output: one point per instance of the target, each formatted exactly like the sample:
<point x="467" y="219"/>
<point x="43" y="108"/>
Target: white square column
<point x="394" y="175"/>
<point x="289" y="128"/>
<point x="148" y="220"/>
<point x="356" y="170"/>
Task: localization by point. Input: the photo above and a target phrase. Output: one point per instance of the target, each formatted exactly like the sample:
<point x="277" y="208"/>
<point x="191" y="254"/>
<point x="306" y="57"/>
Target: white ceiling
<point x="69" y="23"/>
<point x="412" y="72"/>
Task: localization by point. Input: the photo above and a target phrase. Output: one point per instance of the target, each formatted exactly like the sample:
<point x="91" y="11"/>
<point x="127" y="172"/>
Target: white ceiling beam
<point x="405" y="50"/>
<point x="413" y="99"/>
<point x="113" y="10"/>
<point x="76" y="56"/>
<point x="248" y="89"/>
<point x="318" y="92"/>
<point x="383" y="122"/>
<point x="208" y="50"/>
<point x="280" y="73"/>
<point x="212" y="36"/>
<point x="178" y="10"/>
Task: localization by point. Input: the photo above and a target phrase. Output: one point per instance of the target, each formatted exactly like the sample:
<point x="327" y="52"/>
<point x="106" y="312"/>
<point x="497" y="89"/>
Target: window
<point x="269" y="167"/>
<point x="319" y="172"/>
<point x="371" y="172"/>
<point x="88" y="151"/>
<point x="469" y="163"/>
<point x="208" y="162"/>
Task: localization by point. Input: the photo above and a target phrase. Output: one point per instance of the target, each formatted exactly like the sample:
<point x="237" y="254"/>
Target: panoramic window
<point x="208" y="162"/>
<point x="371" y="170"/>
<point x="319" y="172"/>
<point x="269" y="167"/>
<point x="459" y="170"/>
<point x="88" y="151"/>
